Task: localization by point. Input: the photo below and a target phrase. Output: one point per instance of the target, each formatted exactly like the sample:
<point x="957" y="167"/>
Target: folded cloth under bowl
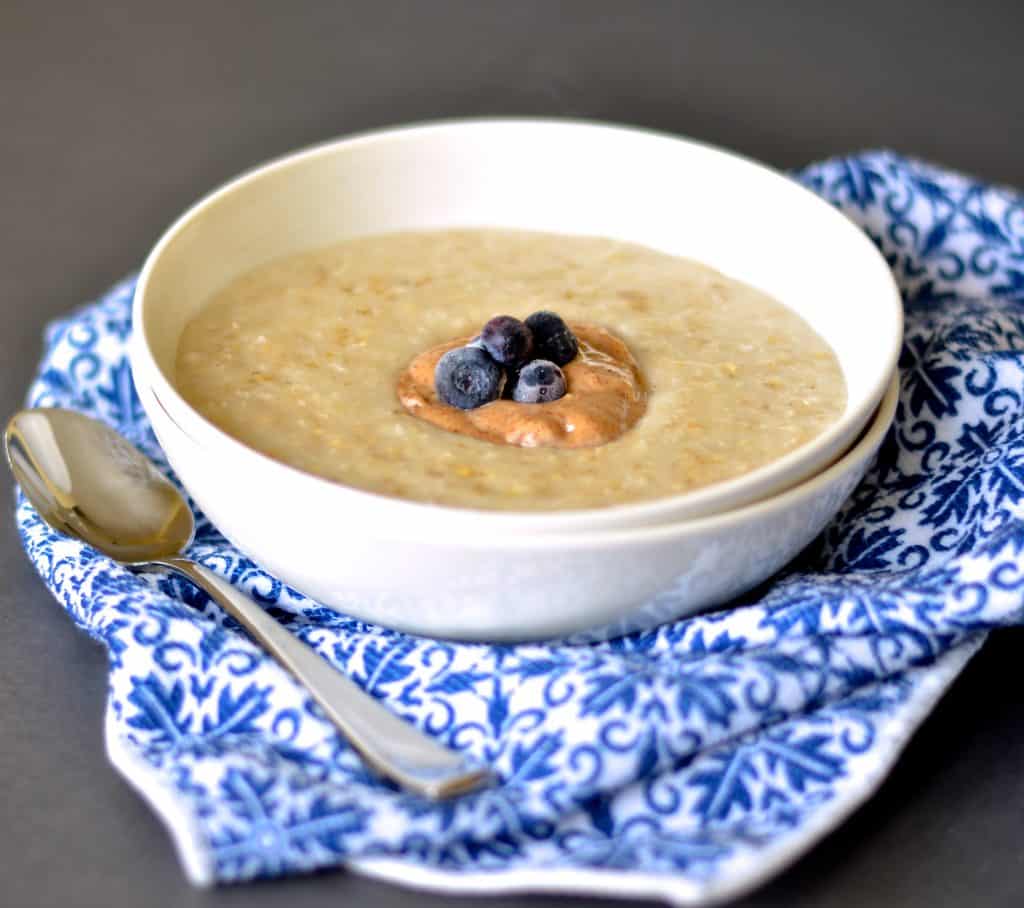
<point x="688" y="763"/>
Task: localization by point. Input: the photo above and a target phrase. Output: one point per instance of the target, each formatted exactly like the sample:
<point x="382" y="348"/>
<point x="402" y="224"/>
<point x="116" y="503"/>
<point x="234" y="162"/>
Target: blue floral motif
<point x="690" y="760"/>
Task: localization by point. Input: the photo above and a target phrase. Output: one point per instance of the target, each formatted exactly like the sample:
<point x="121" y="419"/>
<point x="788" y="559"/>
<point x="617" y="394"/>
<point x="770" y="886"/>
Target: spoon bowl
<point x="86" y="480"/>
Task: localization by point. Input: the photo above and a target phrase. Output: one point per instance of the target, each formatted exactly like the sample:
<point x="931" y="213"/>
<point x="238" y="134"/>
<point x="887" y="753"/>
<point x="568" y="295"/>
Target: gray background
<point x="115" y="116"/>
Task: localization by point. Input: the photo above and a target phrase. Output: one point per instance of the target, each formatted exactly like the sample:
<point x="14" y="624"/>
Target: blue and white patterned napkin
<point x="687" y="763"/>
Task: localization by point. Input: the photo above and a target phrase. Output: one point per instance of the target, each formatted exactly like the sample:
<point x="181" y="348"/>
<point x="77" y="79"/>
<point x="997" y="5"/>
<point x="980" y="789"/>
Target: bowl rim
<point x="645" y="511"/>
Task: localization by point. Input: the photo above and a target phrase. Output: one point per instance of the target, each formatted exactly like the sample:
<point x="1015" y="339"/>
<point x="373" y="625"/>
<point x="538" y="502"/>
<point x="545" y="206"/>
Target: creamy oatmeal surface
<point x="300" y="359"/>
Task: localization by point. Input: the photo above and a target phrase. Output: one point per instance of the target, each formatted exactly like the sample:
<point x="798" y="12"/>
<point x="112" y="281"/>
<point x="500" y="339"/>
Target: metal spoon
<point x="87" y="481"/>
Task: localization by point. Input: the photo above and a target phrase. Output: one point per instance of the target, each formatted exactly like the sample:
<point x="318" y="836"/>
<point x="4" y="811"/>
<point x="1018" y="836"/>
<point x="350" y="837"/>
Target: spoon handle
<point x="390" y="745"/>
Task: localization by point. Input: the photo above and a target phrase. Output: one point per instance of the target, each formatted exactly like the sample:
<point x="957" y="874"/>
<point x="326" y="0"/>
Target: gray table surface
<point x="115" y="116"/>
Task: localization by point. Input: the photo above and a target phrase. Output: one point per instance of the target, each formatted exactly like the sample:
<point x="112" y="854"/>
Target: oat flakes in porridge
<point x="300" y="358"/>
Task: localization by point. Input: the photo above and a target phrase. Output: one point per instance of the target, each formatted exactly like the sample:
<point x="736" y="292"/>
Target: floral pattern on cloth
<point x="689" y="762"/>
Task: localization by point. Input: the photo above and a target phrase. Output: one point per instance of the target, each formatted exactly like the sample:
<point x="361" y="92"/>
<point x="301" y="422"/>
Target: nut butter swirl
<point x="605" y="397"/>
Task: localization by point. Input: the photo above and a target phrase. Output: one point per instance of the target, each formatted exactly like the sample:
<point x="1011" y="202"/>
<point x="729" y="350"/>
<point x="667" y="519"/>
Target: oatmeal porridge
<point x="310" y="359"/>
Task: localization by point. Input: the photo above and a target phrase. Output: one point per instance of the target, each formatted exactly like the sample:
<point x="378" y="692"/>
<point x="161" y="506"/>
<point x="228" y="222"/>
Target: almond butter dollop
<point x="605" y="397"/>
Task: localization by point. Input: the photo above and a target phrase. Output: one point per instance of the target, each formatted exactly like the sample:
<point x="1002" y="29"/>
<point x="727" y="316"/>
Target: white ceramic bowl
<point x="518" y="586"/>
<point x="668" y="193"/>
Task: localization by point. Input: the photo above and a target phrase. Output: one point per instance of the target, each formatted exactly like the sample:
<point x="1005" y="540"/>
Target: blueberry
<point x="467" y="377"/>
<point x="539" y="382"/>
<point x="507" y="339"/>
<point x="552" y="338"/>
